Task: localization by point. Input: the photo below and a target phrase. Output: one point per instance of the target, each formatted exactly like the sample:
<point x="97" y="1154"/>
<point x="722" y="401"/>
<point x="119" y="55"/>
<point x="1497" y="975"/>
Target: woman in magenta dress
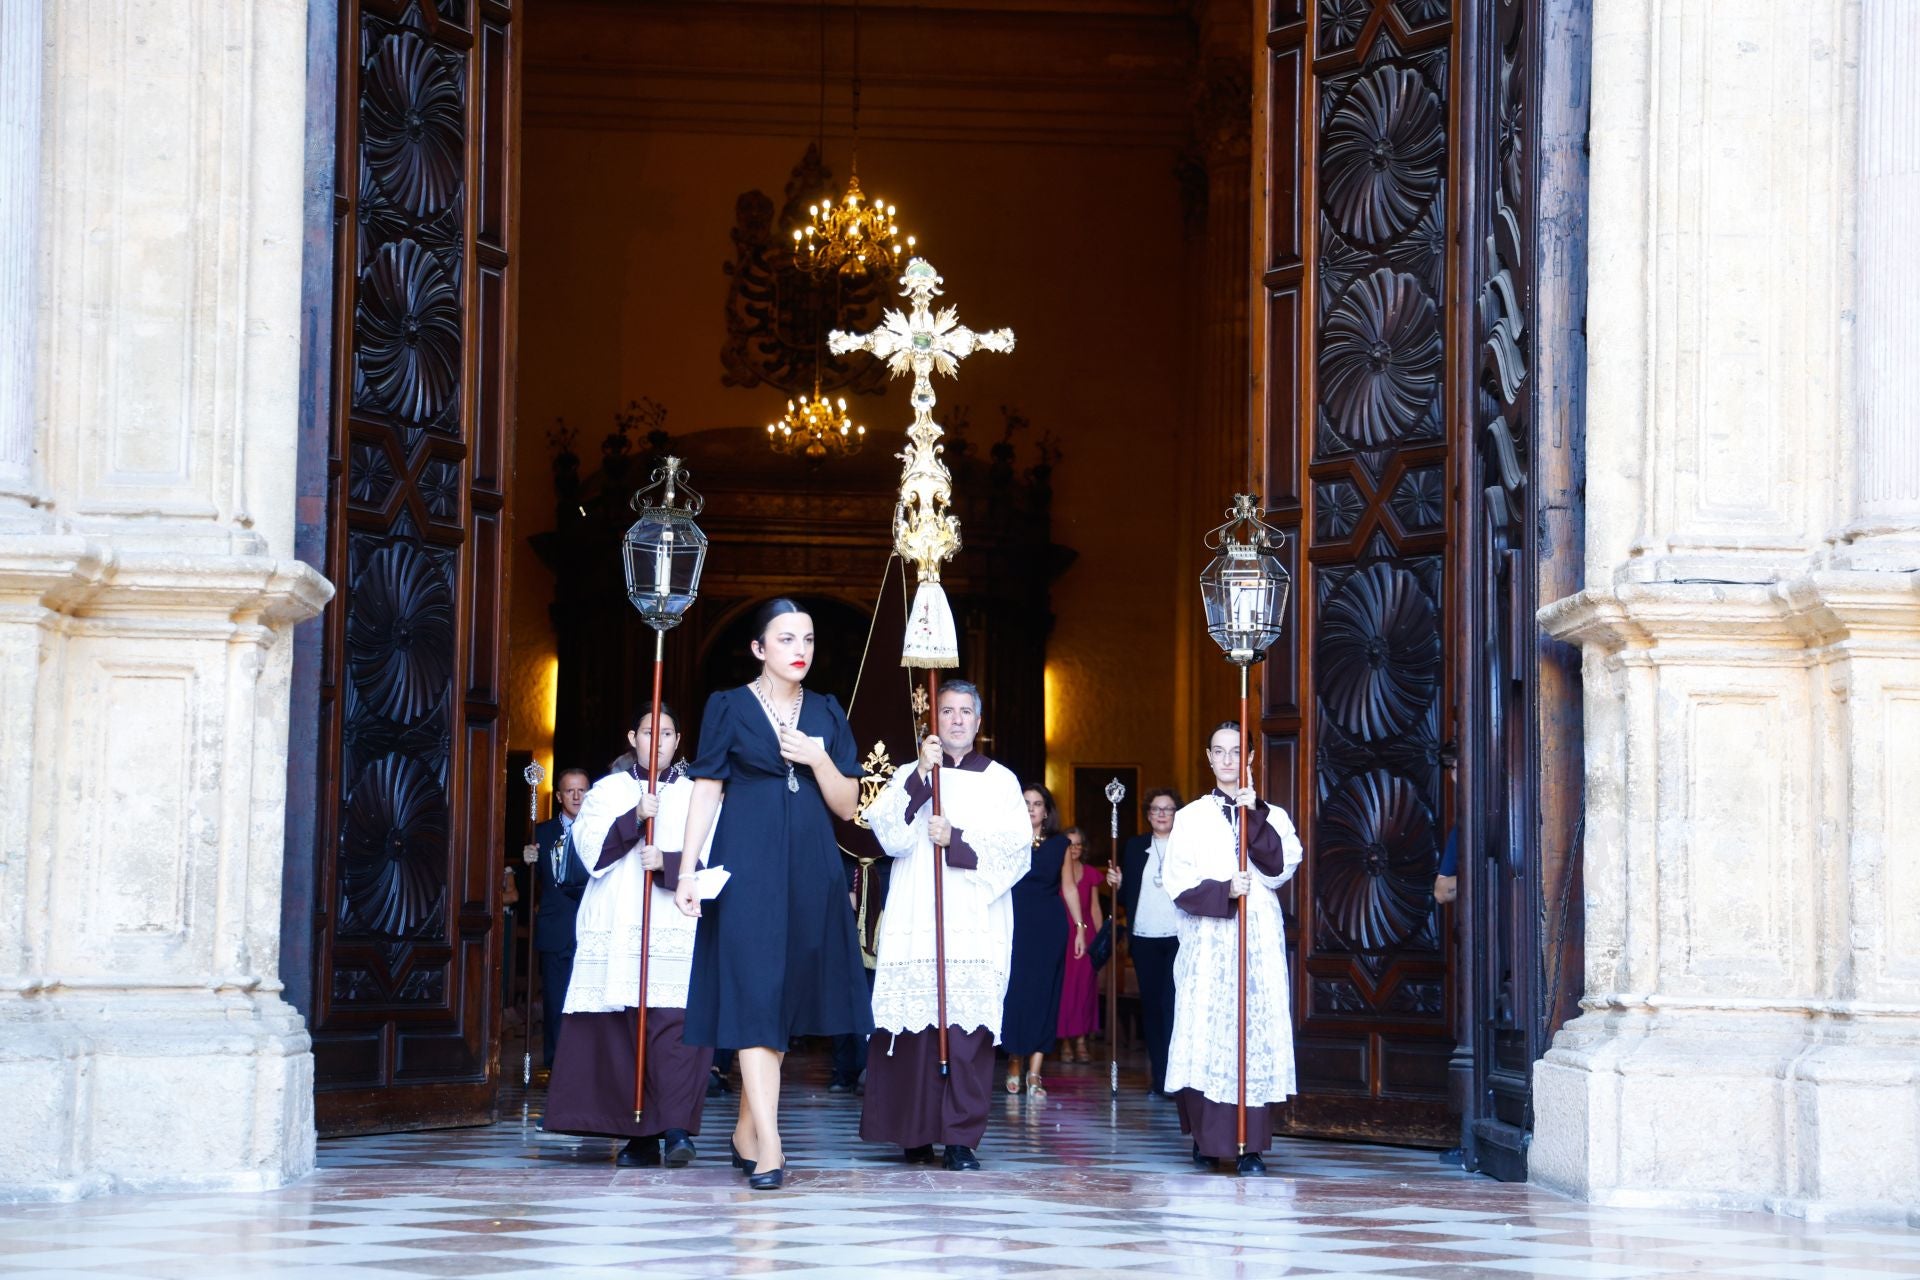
<point x="1079" y="987"/>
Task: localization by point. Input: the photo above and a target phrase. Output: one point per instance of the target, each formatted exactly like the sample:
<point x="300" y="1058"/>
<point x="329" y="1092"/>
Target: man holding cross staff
<point x="920" y="1091"/>
<point x="926" y="532"/>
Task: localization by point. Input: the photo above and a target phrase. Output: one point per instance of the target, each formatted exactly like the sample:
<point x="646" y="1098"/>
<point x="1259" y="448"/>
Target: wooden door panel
<point x="406" y="958"/>
<point x="1356" y="347"/>
<point x="1405" y="449"/>
<point x="1520" y="786"/>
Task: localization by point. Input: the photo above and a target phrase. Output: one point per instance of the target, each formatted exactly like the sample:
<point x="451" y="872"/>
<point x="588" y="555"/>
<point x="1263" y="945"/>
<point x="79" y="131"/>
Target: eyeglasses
<point x="1160" y="808"/>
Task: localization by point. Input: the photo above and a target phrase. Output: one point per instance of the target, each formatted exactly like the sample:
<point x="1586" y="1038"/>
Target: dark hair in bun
<point x="763" y="617"/>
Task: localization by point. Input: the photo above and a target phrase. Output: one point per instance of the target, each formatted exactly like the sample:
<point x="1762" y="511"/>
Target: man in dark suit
<point x="1153" y="937"/>
<point x="562" y="877"/>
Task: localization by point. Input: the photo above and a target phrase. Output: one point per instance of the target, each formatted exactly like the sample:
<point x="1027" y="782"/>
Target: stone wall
<point x="150" y="229"/>
<point x="1750" y="1033"/>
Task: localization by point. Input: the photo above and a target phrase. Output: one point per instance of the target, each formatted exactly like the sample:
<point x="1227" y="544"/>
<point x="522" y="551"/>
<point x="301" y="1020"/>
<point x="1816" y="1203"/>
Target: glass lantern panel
<point x="664" y="558"/>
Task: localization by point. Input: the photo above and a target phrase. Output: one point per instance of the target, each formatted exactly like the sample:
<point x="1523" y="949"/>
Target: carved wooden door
<point x="1359" y="357"/>
<point x="405" y="1001"/>
<point x="1520" y="499"/>
<point x="1432" y="481"/>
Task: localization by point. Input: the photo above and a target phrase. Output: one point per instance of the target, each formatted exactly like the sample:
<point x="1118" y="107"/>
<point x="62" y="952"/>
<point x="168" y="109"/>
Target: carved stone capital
<point x="1783" y="619"/>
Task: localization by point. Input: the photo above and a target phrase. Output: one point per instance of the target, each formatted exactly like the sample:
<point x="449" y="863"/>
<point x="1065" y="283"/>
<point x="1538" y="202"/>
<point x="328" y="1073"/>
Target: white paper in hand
<point x="710" y="881"/>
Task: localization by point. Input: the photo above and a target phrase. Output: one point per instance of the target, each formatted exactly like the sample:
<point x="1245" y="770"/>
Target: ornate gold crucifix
<point x="925" y="530"/>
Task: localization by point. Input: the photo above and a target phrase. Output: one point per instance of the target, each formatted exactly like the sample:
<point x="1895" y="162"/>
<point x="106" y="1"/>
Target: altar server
<point x="592" y="1087"/>
<point x="982" y="835"/>
<point x="1202" y="876"/>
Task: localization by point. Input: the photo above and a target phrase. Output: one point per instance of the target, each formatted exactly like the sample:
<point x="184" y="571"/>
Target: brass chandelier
<point x="851" y="238"/>
<point x="815" y="428"/>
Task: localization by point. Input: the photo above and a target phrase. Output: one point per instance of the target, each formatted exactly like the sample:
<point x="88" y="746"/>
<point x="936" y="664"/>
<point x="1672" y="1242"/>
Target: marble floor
<point x="1075" y="1185"/>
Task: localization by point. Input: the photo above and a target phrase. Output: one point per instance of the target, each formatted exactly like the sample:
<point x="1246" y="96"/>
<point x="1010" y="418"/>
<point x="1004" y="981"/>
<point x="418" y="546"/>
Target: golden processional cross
<point x="925" y="530"/>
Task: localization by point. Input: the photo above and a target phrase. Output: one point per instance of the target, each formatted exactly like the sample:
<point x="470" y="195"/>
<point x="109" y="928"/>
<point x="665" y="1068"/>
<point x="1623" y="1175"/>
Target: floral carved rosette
<point x="1375" y="862"/>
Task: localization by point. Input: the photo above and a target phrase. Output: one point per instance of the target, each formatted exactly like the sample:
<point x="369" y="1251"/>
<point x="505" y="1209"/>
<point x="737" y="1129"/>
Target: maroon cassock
<point x="1214" y="1125"/>
<point x="908" y="1104"/>
<point x="591" y="1089"/>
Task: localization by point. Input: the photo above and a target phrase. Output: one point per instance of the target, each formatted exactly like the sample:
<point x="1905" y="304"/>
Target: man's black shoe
<point x="1204" y="1162"/>
<point x="641" y="1153"/>
<point x="837" y="1085"/>
<point x="680" y="1151"/>
<point x="959" y="1158"/>
<point x="1250" y="1165"/>
<point x="920" y="1155"/>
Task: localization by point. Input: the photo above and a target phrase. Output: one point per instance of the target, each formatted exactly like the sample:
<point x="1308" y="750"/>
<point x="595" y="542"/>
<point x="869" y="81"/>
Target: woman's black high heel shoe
<point x="740" y="1162"/>
<point x="771" y="1180"/>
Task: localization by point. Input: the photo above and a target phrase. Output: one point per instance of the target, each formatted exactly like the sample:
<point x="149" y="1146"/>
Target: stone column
<point x="144" y="621"/>
<point x="20" y="89"/>
<point x="1885" y="529"/>
<point x="1750" y="1032"/>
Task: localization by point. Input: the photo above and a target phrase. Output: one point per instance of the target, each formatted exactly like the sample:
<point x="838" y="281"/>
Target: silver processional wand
<point x="663" y="552"/>
<point x="534" y="774"/>
<point x="1245" y="591"/>
<point x="1116" y="792"/>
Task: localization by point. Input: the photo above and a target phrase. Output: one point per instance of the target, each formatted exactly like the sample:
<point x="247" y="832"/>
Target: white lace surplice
<point x="1204" y="1054"/>
<point x="991" y="814"/>
<point x="606" y="965"/>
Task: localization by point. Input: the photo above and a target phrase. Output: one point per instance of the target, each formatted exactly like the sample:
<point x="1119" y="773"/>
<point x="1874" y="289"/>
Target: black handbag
<point x="1102" y="949"/>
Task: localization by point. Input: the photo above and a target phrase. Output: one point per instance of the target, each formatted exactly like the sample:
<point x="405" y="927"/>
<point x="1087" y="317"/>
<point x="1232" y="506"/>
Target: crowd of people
<point x="752" y="941"/>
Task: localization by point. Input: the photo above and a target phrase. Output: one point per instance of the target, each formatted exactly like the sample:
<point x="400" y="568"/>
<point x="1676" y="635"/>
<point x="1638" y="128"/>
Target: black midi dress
<point x="1030" y="1018"/>
<point x="776" y="954"/>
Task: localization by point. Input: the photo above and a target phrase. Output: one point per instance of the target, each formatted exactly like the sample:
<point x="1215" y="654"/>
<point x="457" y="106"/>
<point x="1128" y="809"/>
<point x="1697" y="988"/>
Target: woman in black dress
<point x="1030" y="1018"/>
<point x="776" y="954"/>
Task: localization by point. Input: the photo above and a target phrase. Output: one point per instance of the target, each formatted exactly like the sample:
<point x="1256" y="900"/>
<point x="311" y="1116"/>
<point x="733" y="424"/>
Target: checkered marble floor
<point x="1075" y="1185"/>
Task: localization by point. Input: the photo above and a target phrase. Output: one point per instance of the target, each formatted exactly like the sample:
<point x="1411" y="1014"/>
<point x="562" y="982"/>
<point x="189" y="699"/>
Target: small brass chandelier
<point x="851" y="238"/>
<point x="816" y="428"/>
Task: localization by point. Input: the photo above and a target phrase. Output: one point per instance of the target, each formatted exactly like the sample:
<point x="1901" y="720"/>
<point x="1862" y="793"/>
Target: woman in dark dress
<point x="1030" y="1018"/>
<point x="776" y="954"/>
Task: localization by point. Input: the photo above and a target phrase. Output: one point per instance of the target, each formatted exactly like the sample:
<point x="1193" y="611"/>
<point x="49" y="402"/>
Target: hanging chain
<point x="853" y="165"/>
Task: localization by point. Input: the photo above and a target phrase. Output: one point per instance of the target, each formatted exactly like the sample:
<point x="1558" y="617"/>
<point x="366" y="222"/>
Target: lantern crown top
<point x="668" y="491"/>
<point x="1246" y="532"/>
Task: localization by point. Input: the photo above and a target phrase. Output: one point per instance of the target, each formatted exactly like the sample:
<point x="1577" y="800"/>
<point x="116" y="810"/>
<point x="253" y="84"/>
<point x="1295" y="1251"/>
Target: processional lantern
<point x="1245" y="590"/>
<point x="664" y="552"/>
<point x="1246" y="587"/>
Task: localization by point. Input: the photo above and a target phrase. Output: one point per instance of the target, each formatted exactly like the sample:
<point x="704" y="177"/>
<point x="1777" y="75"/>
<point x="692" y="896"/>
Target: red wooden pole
<point x="1240" y="1118"/>
<point x="646" y="880"/>
<point x="939" y="880"/>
